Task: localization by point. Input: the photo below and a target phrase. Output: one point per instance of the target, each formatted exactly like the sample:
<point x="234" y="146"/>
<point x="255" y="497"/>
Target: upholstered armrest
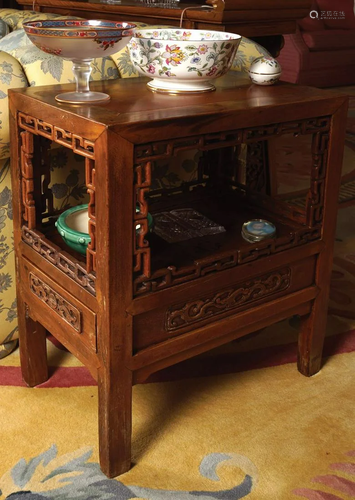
<point x="15" y="18"/>
<point x="294" y="56"/>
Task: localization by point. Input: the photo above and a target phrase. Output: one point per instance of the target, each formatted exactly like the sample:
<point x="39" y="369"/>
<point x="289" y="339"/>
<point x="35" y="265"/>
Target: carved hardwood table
<point x="139" y="302"/>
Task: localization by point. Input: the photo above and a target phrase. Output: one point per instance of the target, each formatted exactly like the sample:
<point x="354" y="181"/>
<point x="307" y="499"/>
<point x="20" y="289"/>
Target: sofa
<point x="22" y="65"/>
<point x="322" y="51"/>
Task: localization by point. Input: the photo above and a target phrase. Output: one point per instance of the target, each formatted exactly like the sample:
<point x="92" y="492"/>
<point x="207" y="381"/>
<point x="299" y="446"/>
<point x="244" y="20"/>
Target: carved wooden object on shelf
<point x="136" y="302"/>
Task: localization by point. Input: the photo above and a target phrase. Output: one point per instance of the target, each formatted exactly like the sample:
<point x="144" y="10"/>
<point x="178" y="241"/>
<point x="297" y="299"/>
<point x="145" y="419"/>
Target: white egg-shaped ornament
<point x="265" y="70"/>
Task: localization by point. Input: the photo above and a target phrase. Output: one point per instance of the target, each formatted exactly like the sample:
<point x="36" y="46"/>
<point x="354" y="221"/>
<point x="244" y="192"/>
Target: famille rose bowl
<point x="180" y="60"/>
<point x="80" y="41"/>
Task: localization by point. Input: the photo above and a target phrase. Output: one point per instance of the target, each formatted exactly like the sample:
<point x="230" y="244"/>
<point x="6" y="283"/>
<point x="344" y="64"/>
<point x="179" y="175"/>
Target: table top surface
<point x="134" y="106"/>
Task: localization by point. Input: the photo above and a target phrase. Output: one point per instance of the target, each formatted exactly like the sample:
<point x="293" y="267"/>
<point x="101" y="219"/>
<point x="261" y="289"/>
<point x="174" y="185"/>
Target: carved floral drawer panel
<point x="198" y="308"/>
<point x="72" y="321"/>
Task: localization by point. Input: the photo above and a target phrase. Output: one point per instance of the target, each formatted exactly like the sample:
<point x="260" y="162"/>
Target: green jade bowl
<point x="72" y="223"/>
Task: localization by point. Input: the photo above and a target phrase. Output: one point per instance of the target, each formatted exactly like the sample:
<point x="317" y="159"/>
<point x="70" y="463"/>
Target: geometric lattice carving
<point x="141" y="250"/>
<point x="44" y="205"/>
<point x="309" y="223"/>
<point x="303" y="127"/>
<point x="27" y="180"/>
<point x="226" y="300"/>
<point x="256" y="171"/>
<point x="90" y="183"/>
<point x="315" y="197"/>
<point x="70" y="266"/>
<point x="166" y="149"/>
<point x="46" y="192"/>
<point x="167" y="277"/>
<point x="72" y="141"/>
<point x="56" y="302"/>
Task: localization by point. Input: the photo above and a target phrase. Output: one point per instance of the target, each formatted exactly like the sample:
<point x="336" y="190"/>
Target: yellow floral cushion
<point x="14" y="18"/>
<point x="46" y="69"/>
<point x="8" y="329"/>
<point x="247" y="52"/>
<point x="11" y="75"/>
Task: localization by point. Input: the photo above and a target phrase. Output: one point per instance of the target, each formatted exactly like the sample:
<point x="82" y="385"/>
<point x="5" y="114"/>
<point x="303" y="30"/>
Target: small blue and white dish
<point x="256" y="230"/>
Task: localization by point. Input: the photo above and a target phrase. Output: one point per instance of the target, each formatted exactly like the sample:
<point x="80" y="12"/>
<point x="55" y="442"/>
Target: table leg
<point x="33" y="350"/>
<point x="327" y="159"/>
<point x="311" y="339"/>
<point x="115" y="420"/>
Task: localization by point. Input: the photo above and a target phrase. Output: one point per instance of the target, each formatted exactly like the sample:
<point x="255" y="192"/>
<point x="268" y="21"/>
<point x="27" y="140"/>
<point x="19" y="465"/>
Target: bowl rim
<point x="233" y="36"/>
<point x="63" y="226"/>
<point x="40" y="24"/>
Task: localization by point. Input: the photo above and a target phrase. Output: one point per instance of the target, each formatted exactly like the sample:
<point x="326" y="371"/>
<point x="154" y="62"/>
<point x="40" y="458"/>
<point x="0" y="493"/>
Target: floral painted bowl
<point x="182" y="61"/>
<point x="79" y="39"/>
<point x="72" y="225"/>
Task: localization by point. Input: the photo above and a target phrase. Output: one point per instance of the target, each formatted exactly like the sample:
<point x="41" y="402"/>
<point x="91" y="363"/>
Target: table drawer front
<point x="58" y="311"/>
<point x="226" y="301"/>
<point x="198" y="309"/>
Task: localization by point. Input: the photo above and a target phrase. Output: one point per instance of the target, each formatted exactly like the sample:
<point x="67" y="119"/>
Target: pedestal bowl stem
<point x="82" y="71"/>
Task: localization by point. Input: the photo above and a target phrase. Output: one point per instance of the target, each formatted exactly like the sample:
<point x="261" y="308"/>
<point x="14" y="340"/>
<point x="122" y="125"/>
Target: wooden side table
<point x="137" y="303"/>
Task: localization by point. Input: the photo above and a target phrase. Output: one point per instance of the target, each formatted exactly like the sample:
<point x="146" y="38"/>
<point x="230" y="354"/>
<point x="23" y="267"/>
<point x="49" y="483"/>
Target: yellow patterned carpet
<point x="237" y="422"/>
<point x="264" y="433"/>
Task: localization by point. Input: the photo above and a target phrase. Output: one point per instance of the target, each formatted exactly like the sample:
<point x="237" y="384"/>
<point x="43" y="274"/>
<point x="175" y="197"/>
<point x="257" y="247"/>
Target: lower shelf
<point x="173" y="263"/>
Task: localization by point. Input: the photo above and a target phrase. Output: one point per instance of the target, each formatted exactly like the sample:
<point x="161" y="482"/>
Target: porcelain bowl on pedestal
<point x="80" y="41"/>
<point x="181" y="60"/>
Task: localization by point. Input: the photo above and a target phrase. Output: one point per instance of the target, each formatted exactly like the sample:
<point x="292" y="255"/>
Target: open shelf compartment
<point x="172" y="263"/>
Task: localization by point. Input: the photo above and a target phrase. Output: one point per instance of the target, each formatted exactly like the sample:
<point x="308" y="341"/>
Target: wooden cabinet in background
<point x="250" y="18"/>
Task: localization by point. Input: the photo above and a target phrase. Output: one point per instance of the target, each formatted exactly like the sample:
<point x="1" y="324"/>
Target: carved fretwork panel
<point x="315" y="197"/>
<point x="54" y="255"/>
<point x="227" y="300"/>
<point x="256" y="171"/>
<point x="78" y="144"/>
<point x="46" y="192"/>
<point x="220" y="167"/>
<point x="142" y="183"/>
<point x="166" y="149"/>
<point x="56" y="302"/>
<point x="311" y="126"/>
<point x="37" y="197"/>
<point x="90" y="184"/>
<point x="27" y="180"/>
<point x="171" y="276"/>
